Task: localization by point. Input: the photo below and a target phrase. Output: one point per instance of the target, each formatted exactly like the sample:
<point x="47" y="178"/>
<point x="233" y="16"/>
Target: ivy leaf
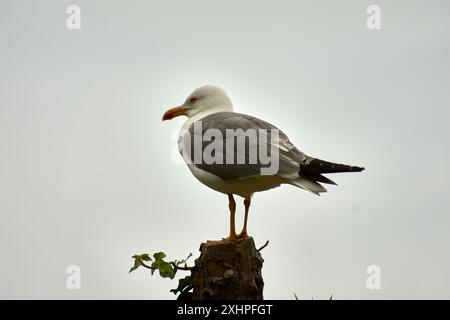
<point x="158" y="262"/>
<point x="146" y="257"/>
<point x="159" y="256"/>
<point x="155" y="266"/>
<point x="183" y="283"/>
<point x="166" y="270"/>
<point x="139" y="259"/>
<point x="137" y="263"/>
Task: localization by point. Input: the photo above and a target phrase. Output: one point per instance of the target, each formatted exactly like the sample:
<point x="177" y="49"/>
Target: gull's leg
<point x="243" y="233"/>
<point x="232" y="206"/>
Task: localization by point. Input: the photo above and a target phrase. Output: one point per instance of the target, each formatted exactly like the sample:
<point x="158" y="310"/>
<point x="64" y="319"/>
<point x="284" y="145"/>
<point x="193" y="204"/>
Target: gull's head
<point x="204" y="100"/>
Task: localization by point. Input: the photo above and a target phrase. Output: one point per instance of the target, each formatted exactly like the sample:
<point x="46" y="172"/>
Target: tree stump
<point x="228" y="270"/>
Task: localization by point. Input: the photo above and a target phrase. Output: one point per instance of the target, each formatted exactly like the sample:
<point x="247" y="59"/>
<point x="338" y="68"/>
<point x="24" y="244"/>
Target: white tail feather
<point x="308" y="185"/>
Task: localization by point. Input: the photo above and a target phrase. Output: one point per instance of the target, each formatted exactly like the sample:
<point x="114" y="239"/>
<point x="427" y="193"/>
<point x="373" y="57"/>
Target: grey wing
<point x="214" y="144"/>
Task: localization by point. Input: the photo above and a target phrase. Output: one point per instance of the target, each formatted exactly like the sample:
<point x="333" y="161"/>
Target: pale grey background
<point x="86" y="175"/>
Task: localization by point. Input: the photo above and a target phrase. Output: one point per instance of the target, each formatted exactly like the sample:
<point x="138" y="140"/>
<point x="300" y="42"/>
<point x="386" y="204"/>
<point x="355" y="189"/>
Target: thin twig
<point x="181" y="268"/>
<point x="172" y="263"/>
<point x="147" y="266"/>
<point x="265" y="245"/>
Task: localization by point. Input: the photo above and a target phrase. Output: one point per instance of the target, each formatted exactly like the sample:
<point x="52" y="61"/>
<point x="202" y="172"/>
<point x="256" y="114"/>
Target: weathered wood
<point x="228" y="270"/>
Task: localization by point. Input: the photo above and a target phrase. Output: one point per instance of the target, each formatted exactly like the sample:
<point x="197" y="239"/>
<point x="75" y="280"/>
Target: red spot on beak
<point x="174" y="112"/>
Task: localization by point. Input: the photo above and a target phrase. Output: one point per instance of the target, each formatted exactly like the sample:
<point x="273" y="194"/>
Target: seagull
<point x="212" y="120"/>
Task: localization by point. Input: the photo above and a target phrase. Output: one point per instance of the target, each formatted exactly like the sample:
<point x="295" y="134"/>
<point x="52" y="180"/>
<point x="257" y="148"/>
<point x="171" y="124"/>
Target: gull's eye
<point x="192" y="100"/>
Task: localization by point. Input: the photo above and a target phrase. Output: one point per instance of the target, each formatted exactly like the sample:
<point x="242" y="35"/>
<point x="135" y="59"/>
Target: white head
<point x="204" y="100"/>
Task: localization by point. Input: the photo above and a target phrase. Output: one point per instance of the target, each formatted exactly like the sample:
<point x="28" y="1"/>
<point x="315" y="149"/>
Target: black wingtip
<point x="317" y="167"/>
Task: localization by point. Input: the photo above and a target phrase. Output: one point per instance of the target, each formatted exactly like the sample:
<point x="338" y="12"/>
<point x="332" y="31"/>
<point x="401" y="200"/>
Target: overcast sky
<point x="86" y="176"/>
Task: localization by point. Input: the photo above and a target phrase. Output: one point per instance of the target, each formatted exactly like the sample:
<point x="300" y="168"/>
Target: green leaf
<point x="159" y="256"/>
<point x="146" y="257"/>
<point x="183" y="283"/>
<point x="166" y="270"/>
<point x="155" y="266"/>
<point x="137" y="263"/>
<point x="139" y="259"/>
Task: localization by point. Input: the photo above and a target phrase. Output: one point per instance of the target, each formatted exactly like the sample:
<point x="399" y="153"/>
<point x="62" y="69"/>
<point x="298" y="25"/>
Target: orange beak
<point x="174" y="112"/>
